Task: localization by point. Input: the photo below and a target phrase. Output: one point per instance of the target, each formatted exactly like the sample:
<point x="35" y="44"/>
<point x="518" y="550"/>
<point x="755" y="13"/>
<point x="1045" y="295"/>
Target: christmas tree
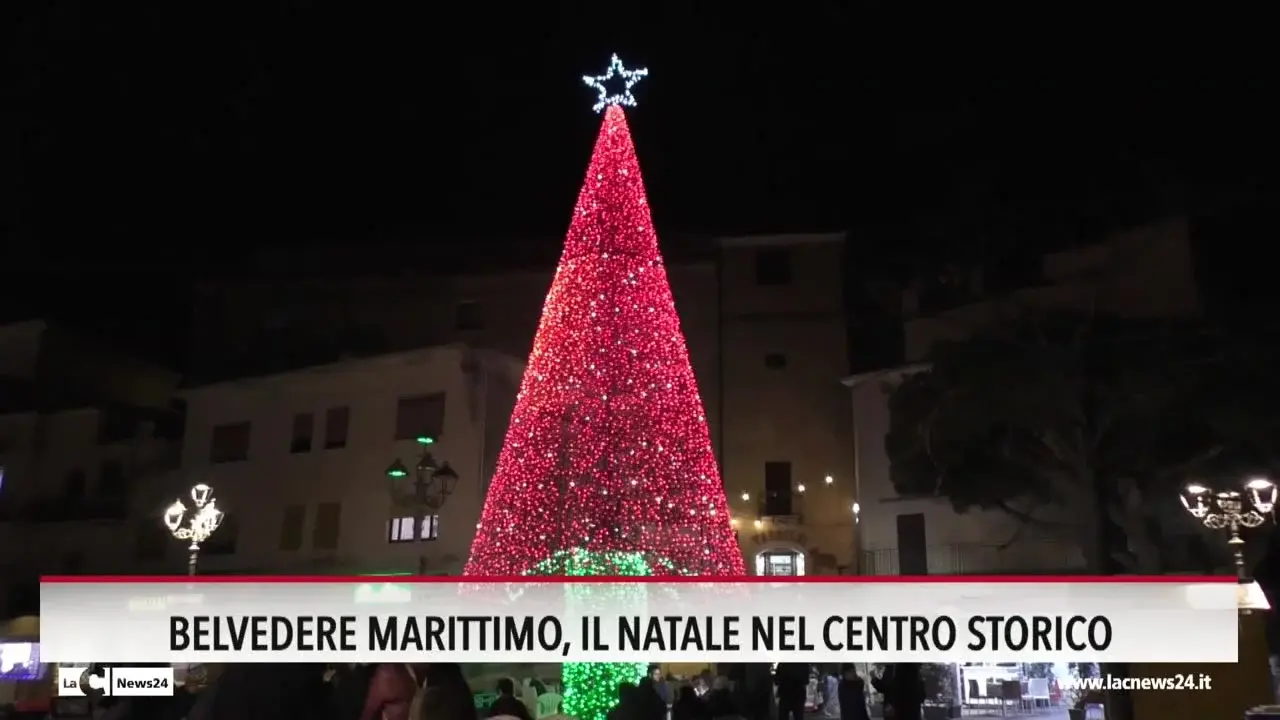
<point x="607" y="466"/>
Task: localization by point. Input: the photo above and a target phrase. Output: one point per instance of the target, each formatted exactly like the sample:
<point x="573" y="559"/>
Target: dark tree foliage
<point x="1084" y="426"/>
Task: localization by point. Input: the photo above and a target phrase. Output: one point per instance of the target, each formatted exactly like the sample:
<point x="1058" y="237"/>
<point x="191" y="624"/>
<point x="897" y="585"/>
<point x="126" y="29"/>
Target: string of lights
<point x="759" y="517"/>
<point x="607" y="467"/>
<point x="600" y="83"/>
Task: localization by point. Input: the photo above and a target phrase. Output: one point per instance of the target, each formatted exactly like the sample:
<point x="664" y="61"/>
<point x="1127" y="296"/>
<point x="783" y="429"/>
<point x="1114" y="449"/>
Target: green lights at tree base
<point x="591" y="689"/>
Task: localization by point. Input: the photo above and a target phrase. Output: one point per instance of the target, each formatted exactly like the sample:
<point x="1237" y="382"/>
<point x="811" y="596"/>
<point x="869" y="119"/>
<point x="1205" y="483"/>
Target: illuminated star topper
<point x="599" y="83"/>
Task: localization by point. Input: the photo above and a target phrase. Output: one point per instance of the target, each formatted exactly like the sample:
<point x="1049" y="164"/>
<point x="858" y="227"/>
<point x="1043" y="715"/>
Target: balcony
<point x="983" y="559"/>
<point x="791" y="518"/>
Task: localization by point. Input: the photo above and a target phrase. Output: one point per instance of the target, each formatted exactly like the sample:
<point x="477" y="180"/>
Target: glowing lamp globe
<point x="200" y="494"/>
<point x="446" y="475"/>
<point x="1195" y="498"/>
<point x="173" y="516"/>
<point x="427" y="464"/>
<point x="210" y="519"/>
<point x="1262" y="492"/>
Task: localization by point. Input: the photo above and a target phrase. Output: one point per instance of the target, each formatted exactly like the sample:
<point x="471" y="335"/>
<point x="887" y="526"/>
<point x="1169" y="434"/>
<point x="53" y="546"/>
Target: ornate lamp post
<point x="194" y="525"/>
<point x="1232" y="510"/>
<point x="424" y="493"/>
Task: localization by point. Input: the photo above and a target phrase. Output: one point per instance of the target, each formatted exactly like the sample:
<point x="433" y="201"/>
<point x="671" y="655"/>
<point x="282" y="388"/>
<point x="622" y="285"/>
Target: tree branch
<point x="1017" y="533"/>
<point x="1185" y="467"/>
<point x="1026" y="517"/>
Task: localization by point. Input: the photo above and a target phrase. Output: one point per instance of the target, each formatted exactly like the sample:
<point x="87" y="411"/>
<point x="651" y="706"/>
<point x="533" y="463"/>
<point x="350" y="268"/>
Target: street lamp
<point x="199" y="524"/>
<point x="423" y="494"/>
<point x="432" y="482"/>
<point x="1232" y="510"/>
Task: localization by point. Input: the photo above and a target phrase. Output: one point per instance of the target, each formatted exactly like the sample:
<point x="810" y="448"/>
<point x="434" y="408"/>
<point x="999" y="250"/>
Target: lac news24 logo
<point x="96" y="681"/>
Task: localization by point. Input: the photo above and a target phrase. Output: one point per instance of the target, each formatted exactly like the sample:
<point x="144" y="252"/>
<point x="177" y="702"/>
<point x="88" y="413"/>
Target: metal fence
<point x="982" y="559"/>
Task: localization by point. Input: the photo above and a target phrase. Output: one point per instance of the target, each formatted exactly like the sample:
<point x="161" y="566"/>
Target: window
<point x="223" y="540"/>
<point x="336" y="421"/>
<point x="409" y="529"/>
<point x="775" y="361"/>
<point x="773" y="267"/>
<point x="468" y="316"/>
<point x="400" y="530"/>
<point x="111" y="480"/>
<point x="913" y="554"/>
<point x="303" y="427"/>
<point x="328" y="525"/>
<point x="230" y="443"/>
<point x="151" y="540"/>
<point x="72" y="562"/>
<point x="430" y="528"/>
<point x="777" y="488"/>
<point x="420" y="415"/>
<point x="74" y="485"/>
<point x="116" y="425"/>
<point x="291" y="526"/>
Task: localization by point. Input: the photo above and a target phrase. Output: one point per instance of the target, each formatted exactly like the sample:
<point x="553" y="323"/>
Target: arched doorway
<point x="783" y="561"/>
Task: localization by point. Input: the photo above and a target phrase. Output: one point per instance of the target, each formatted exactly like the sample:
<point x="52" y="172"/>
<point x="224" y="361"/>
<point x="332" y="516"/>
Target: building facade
<point x="298" y="461"/>
<point x="785" y="456"/>
<point x="763" y="320"/>
<point x="85" y="433"/>
<point x="1146" y="272"/>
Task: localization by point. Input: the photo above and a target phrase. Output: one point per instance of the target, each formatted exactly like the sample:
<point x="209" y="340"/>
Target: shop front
<point x="26" y="684"/>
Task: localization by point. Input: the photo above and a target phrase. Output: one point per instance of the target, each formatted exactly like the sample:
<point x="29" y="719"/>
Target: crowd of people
<point x="842" y="695"/>
<point x="439" y="691"/>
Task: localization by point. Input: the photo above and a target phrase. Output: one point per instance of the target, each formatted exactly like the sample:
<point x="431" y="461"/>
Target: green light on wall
<point x="383" y="594"/>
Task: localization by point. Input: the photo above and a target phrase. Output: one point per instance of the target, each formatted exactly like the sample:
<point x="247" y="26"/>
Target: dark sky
<point x="153" y="141"/>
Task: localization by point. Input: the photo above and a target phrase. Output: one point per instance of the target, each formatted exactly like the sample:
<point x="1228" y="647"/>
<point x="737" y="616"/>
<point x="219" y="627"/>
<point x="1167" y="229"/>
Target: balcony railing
<point x="982" y="559"/>
<point x="794" y="517"/>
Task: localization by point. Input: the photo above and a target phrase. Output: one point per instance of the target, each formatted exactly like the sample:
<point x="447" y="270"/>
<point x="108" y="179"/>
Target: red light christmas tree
<point x="608" y="456"/>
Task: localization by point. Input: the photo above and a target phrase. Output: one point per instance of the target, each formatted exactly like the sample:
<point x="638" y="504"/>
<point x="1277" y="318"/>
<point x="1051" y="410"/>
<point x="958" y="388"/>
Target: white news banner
<point x="342" y="620"/>
<point x="116" y="681"/>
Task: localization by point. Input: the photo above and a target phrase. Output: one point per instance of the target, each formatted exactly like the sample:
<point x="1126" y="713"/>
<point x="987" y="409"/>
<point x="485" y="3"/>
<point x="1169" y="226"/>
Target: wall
<point x="1147" y="272"/>
<point x="46" y="529"/>
<point x="795" y="413"/>
<point x="730" y="324"/>
<point x="479" y="387"/>
<point x="274" y="325"/>
<point x="1144" y="272"/>
<point x="58" y="389"/>
<point x="20" y="348"/>
<point x="47" y="367"/>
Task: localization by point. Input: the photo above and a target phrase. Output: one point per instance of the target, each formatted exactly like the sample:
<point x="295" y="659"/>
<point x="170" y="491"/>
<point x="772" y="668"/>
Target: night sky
<point x="157" y="144"/>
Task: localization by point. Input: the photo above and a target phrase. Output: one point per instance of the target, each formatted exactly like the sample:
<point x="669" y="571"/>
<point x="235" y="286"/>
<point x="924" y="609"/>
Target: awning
<point x="21" y="629"/>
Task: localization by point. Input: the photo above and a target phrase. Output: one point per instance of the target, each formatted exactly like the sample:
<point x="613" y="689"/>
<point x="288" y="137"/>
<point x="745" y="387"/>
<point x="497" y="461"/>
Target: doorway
<point x="780" y="563"/>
